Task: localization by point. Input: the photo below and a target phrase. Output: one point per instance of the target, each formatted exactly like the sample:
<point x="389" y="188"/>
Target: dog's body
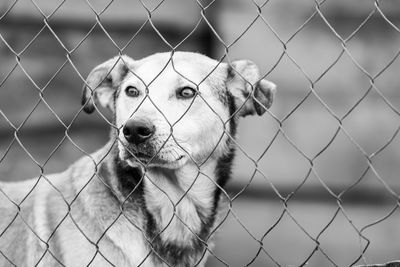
<point x="93" y="210"/>
<point x="152" y="196"/>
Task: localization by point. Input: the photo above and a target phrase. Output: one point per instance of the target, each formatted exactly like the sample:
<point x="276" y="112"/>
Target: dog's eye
<point x="186" y="92"/>
<point x="131" y="91"/>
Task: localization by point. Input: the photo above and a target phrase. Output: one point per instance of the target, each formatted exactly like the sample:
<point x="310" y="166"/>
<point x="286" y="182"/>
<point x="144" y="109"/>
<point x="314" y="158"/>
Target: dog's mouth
<point x="155" y="160"/>
<point x="142" y="156"/>
<point x="139" y="157"/>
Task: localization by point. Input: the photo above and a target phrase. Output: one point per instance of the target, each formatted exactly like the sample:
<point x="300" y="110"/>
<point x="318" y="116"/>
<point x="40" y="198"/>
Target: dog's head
<point x="173" y="109"/>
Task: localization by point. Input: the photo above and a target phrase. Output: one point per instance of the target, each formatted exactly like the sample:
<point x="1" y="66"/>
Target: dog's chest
<point x="122" y="245"/>
<point x="130" y="242"/>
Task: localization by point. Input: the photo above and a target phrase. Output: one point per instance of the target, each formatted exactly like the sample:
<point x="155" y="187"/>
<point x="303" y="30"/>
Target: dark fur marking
<point x="130" y="182"/>
<point x="231" y="73"/>
<point x="245" y="94"/>
<point x="124" y="70"/>
<point x="129" y="178"/>
<point x="222" y="96"/>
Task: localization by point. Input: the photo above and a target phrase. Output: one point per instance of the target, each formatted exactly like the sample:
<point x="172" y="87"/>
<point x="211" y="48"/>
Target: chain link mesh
<point x="386" y="194"/>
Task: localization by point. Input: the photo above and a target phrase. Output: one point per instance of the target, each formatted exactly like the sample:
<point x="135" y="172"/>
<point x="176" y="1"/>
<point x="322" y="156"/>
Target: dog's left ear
<point x="252" y="94"/>
<point x="103" y="81"/>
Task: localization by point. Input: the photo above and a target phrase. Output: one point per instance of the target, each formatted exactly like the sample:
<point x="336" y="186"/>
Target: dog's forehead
<point x="181" y="65"/>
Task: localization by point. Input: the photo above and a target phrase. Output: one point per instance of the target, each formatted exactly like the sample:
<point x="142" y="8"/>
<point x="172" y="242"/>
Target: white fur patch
<point x="173" y="199"/>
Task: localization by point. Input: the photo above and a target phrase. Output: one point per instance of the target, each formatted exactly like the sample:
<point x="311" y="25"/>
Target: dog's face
<point x="170" y="111"/>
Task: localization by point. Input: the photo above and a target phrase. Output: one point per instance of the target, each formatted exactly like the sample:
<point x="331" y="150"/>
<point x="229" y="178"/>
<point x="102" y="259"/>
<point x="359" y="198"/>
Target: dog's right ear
<point x="103" y="81"/>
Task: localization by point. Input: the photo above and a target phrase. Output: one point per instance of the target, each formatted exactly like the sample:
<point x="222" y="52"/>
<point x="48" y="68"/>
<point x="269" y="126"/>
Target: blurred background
<point x="332" y="130"/>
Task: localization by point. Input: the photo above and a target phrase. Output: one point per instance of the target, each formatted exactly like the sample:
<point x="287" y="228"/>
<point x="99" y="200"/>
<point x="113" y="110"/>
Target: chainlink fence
<point x="315" y="180"/>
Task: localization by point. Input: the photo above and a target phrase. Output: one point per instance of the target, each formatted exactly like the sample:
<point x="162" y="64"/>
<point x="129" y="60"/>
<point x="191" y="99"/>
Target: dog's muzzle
<point x="137" y="131"/>
<point x="140" y="135"/>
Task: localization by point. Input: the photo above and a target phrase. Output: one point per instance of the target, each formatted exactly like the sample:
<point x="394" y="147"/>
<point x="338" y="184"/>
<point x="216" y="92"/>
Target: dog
<point x="154" y="194"/>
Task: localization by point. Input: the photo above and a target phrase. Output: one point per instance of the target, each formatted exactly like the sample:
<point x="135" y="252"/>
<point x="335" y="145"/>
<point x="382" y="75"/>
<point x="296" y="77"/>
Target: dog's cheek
<point x="204" y="138"/>
<point x="214" y="124"/>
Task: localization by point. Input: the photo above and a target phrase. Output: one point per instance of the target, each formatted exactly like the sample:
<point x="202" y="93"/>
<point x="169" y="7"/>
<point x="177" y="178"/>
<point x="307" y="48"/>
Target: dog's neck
<point x="179" y="206"/>
<point x="179" y="200"/>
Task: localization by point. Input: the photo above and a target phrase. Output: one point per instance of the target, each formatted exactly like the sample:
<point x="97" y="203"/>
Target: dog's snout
<point x="138" y="131"/>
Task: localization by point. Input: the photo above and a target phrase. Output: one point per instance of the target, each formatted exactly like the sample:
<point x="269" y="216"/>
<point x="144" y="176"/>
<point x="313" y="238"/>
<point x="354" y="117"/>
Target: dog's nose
<point x="138" y="131"/>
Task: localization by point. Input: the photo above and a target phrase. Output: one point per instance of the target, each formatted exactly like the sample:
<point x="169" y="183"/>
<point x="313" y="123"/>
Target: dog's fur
<point x="153" y="204"/>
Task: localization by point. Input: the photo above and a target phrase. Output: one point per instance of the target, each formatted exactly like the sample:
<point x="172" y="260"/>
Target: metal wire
<point x="259" y="8"/>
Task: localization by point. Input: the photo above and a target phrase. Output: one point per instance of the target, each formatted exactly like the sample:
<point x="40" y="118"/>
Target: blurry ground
<point x="310" y="127"/>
